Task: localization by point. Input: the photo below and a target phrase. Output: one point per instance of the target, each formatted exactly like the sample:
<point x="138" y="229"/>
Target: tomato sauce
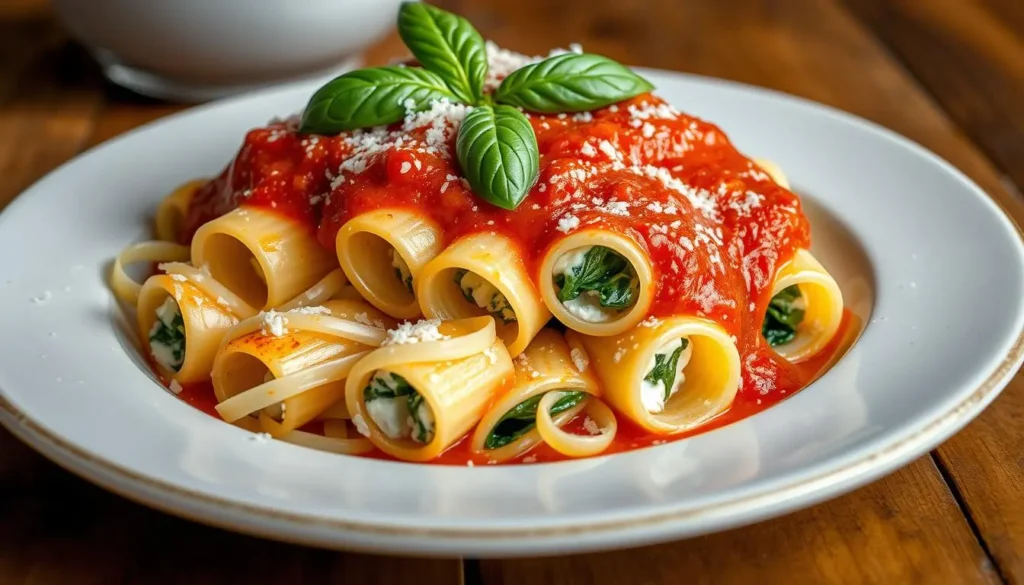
<point x="715" y="226"/>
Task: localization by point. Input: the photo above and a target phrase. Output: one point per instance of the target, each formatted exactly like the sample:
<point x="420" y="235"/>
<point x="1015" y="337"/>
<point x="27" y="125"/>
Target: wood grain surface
<point x="945" y="73"/>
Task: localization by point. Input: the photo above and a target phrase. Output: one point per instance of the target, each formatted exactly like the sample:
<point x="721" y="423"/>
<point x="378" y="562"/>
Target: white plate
<point x="933" y="268"/>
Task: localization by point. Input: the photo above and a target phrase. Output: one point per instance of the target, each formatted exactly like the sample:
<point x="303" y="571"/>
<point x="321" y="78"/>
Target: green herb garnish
<point x="605" y="272"/>
<point x="783" y="317"/>
<point x="520" y="419"/>
<point x="664" y="369"/>
<point x="497" y="150"/>
<point x="448" y="45"/>
<point x="370" y="97"/>
<point x="571" y="82"/>
<point x="496" y="145"/>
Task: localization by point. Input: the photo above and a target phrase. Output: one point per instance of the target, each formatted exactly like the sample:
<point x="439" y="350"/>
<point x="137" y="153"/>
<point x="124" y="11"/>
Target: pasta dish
<point x="478" y="257"/>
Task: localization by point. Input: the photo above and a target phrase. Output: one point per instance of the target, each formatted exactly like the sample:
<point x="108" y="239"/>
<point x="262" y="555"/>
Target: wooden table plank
<point x="887" y="532"/>
<point x="59" y="530"/>
<point x="48" y="100"/>
<point x="970" y="56"/>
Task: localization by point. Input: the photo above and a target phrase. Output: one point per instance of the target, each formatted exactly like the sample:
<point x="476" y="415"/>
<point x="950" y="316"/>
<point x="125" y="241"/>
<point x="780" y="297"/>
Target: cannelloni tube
<point x="484" y="274"/>
<point x="774" y="171"/>
<point x="263" y="257"/>
<point x="511" y="427"/>
<point x="382" y="253"/>
<point x="667" y="375"/>
<point x="802" y="320"/>
<point x="171" y="213"/>
<point x="181" y="327"/>
<point x="426" y="388"/>
<point x="286" y="369"/>
<point x="597" y="282"/>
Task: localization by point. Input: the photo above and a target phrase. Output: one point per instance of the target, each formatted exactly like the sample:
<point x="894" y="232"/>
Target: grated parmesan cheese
<point x="423" y="331"/>
<point x="273" y="323"/>
<point x="567" y="223"/>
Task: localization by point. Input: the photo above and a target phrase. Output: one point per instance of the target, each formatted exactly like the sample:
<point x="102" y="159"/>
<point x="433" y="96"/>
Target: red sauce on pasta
<point x="715" y="225"/>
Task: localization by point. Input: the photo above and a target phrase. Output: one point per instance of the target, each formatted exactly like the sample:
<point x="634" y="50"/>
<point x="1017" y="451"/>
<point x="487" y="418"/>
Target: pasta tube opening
<point x="264" y="258"/>
<point x="597" y="282"/>
<point x="668" y="376"/>
<point x="427" y="385"/>
<point x="484" y="274"/>
<point x="552" y="387"/>
<point x="181" y="327"/>
<point x="285" y="369"/>
<point x="805" y="310"/>
<point x="382" y="253"/>
<point x="238" y="269"/>
<point x="398" y="409"/>
<point x="167" y="336"/>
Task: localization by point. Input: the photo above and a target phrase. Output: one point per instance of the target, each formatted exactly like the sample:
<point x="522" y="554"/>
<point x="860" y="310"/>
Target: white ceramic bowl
<point x="202" y="50"/>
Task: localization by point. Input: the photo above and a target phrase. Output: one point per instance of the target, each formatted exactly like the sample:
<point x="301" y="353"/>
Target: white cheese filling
<point x="402" y="271"/>
<point x="653" y="395"/>
<point x="165" y="353"/>
<point x="392" y="416"/>
<point x="587" y="306"/>
<point x="486" y="296"/>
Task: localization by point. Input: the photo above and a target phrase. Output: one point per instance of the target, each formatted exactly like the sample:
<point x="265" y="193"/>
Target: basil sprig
<point x="603" y="271"/>
<point x="447" y="44"/>
<point x="496" y="144"/>
<point x="498" y="153"/>
<point x="783" y="317"/>
<point x="570" y="82"/>
<point x="523" y="417"/>
<point x="370" y="97"/>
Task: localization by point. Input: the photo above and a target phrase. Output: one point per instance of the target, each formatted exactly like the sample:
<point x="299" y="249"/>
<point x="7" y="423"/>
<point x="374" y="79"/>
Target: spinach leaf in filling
<point x="783" y="317"/>
<point x="520" y="419"/>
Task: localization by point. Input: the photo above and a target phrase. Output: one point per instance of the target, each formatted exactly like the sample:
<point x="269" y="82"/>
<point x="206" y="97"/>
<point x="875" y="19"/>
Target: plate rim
<point x="821" y="484"/>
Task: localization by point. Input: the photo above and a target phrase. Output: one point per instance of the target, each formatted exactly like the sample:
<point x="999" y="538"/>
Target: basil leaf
<point x="665" y="368"/>
<point x="605" y="271"/>
<point x="498" y="152"/>
<point x="782" y="317"/>
<point x="523" y="417"/>
<point x="370" y="97"/>
<point x="570" y="82"/>
<point x="448" y="45"/>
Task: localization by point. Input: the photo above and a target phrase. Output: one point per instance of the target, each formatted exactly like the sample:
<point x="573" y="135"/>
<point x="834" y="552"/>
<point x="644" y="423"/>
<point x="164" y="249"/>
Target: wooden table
<point x="946" y="73"/>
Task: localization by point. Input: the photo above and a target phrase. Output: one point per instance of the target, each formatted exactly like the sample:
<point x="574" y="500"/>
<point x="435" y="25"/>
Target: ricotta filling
<point x="167" y="336"/>
<point x="398" y="410"/>
<point x="654" y="392"/>
<point x="587" y="306"/>
<point x="483" y="294"/>
<point x="402" y="272"/>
